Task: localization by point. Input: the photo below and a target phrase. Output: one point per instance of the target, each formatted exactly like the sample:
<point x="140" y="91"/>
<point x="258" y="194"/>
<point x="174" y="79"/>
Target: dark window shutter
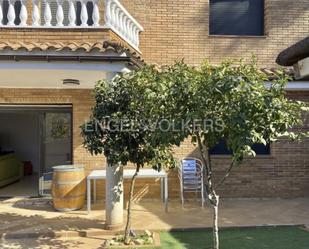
<point x="236" y="17"/>
<point x="221" y="149"/>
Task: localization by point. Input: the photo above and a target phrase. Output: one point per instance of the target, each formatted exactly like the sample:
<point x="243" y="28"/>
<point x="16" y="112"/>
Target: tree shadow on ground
<point x="40" y="243"/>
<point x="37" y="223"/>
<point x="37" y="231"/>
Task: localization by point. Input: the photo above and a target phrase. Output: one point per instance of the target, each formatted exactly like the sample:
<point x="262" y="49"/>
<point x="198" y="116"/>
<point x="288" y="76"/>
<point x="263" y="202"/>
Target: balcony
<point x="70" y="15"/>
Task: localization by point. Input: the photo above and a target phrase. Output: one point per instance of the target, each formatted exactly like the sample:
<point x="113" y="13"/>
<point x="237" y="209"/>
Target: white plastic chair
<point x="46" y="183"/>
<point x="190" y="173"/>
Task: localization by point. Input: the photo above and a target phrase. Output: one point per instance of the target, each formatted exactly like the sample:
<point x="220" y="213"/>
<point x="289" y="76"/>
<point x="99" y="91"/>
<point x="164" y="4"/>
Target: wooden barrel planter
<point x="68" y="187"/>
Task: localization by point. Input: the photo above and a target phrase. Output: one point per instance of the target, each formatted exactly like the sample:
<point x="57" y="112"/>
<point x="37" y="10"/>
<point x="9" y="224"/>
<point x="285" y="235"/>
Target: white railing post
<point x="59" y="13"/>
<point x="1" y="13"/>
<point x="131" y="25"/>
<point x="127" y="29"/>
<point x="23" y="16"/>
<point x="107" y="15"/>
<point x="96" y="13"/>
<point x="122" y="17"/>
<point x="117" y="15"/>
<point x="47" y="14"/>
<point x="135" y="35"/>
<point x="113" y="16"/>
<point x="35" y="13"/>
<point x="72" y="14"/>
<point x="11" y="13"/>
<point x="84" y="13"/>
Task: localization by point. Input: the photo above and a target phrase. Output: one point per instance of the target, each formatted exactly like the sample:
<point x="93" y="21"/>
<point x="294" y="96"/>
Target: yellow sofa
<point x="11" y="169"/>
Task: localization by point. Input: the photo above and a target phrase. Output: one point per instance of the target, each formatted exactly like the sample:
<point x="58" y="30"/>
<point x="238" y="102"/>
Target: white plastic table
<point x="128" y="173"/>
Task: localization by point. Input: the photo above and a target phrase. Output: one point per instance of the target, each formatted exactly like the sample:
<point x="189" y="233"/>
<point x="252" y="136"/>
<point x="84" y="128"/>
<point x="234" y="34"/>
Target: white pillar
<point x="127" y="29"/>
<point x="114" y="197"/>
<point x="112" y="13"/>
<point x="135" y="36"/>
<point x="11" y="13"/>
<point x="84" y="13"/>
<point x="107" y="14"/>
<point x="72" y="14"/>
<point x="35" y="13"/>
<point x="59" y="13"/>
<point x="114" y="189"/>
<point x="96" y="13"/>
<point x="23" y="13"/>
<point x="47" y="14"/>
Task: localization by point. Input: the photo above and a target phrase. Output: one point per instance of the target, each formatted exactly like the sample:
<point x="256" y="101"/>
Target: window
<point x="236" y="17"/>
<point x="221" y="149"/>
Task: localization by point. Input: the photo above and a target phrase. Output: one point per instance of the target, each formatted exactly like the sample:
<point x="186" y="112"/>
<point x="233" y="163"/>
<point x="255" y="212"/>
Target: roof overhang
<point x="50" y="74"/>
<point x="21" y="68"/>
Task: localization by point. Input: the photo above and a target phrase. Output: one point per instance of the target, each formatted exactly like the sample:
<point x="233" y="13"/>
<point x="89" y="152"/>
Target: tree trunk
<point x="128" y="225"/>
<point x="215" y="235"/>
<point x="213" y="197"/>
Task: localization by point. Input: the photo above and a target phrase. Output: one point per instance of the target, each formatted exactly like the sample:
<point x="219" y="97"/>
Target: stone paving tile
<point x="57" y="243"/>
<point x="150" y="215"/>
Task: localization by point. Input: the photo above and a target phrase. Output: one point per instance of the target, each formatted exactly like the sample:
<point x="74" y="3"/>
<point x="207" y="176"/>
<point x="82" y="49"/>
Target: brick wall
<point x="284" y="173"/>
<point x="176" y="29"/>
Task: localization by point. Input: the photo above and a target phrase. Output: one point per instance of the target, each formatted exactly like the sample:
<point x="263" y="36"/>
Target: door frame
<point x="41" y="109"/>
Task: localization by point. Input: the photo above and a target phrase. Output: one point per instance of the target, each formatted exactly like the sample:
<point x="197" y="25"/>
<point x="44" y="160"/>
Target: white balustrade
<point x="120" y="20"/>
<point x="55" y="12"/>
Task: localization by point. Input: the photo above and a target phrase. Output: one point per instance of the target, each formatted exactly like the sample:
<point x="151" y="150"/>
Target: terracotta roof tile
<point x="84" y="47"/>
<point x="56" y="46"/>
<point x="273" y="73"/>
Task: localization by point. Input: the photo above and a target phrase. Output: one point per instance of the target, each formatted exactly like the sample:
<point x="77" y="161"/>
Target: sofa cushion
<point x="10" y="167"/>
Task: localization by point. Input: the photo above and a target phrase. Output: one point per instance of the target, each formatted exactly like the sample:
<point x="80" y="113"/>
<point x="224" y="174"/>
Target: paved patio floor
<point x="20" y="217"/>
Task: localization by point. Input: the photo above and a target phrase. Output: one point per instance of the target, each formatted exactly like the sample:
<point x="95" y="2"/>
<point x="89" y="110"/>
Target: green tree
<point x="120" y="126"/>
<point x="230" y="102"/>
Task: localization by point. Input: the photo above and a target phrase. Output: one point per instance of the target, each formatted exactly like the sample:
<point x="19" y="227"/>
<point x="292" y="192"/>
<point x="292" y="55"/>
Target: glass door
<point x="56" y="144"/>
